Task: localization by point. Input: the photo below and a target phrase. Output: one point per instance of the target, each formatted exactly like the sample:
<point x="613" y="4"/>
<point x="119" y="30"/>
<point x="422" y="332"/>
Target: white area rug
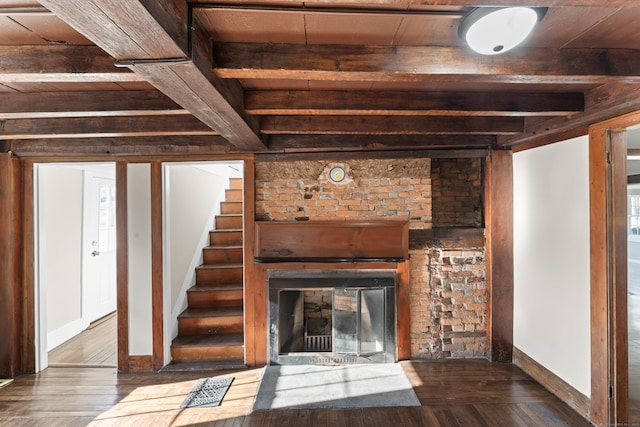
<point x="350" y="386"/>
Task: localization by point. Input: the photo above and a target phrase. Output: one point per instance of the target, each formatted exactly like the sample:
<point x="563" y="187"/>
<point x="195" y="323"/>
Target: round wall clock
<point x="336" y="174"/>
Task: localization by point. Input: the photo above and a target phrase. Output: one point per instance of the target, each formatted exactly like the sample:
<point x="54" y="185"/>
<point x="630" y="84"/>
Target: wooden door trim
<point x="122" y="266"/>
<point x="157" y="266"/>
<point x="28" y="348"/>
<point x="251" y="274"/>
<point x="609" y="341"/>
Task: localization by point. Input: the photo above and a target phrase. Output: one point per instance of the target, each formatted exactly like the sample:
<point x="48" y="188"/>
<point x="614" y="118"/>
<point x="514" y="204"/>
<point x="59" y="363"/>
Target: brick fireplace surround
<point x="441" y="199"/>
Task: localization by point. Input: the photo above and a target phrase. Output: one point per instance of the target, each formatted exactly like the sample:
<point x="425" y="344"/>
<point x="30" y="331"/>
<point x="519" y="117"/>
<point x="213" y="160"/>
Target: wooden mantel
<point x="385" y="240"/>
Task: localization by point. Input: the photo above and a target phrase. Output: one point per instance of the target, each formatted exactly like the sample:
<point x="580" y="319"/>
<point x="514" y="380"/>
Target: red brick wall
<point x="457" y="192"/>
<point x="448" y="316"/>
<point x="447" y="286"/>
<point x="372" y="188"/>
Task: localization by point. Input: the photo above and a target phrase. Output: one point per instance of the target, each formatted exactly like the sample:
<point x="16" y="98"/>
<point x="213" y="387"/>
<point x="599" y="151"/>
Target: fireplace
<point x="332" y="316"/>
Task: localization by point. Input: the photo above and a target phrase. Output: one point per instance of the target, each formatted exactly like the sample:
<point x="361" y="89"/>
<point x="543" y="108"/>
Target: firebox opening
<point x="332" y="318"/>
<point x="304" y="321"/>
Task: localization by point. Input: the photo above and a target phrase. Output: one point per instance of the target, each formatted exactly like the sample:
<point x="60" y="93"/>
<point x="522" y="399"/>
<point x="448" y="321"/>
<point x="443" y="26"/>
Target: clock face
<point x="336" y="174"/>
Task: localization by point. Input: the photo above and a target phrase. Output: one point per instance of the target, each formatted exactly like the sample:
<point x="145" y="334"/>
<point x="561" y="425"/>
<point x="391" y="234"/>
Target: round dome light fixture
<point x="495" y="30"/>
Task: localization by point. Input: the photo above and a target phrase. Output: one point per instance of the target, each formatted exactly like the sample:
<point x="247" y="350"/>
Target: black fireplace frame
<point x="303" y="280"/>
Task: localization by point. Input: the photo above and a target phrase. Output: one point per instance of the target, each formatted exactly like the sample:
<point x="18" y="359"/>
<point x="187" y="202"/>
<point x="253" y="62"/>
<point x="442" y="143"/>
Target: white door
<point x="99" y="248"/>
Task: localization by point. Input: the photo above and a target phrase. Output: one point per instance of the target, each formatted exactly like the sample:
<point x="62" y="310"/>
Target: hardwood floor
<point x="452" y="393"/>
<point x="96" y="346"/>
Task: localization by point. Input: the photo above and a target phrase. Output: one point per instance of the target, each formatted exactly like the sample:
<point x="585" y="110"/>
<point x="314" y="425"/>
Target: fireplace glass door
<point x="358" y="320"/>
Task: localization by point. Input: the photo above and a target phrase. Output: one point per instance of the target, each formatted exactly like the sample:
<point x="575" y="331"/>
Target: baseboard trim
<point x="556" y="385"/>
<point x="140" y="364"/>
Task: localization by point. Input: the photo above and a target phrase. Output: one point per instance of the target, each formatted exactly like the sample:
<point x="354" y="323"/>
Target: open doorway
<point x="633" y="265"/>
<point x="75" y="237"/>
<point x="203" y="262"/>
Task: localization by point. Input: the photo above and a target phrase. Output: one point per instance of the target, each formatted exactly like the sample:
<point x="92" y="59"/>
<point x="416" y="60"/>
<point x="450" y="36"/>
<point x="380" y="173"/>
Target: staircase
<point x="211" y="328"/>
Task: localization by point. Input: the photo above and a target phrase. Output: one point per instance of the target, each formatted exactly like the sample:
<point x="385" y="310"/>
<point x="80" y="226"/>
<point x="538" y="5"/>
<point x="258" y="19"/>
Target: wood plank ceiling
<point x="83" y="77"/>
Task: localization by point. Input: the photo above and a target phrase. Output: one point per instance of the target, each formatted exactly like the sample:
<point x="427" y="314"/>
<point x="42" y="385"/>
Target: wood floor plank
<point x="96" y="346"/>
<point x="501" y="415"/>
<point x="464" y="393"/>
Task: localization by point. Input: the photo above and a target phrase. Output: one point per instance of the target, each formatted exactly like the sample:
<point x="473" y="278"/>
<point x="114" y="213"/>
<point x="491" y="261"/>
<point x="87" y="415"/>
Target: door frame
<point x="608" y="213"/>
<point x="163" y="308"/>
<point x="39" y="279"/>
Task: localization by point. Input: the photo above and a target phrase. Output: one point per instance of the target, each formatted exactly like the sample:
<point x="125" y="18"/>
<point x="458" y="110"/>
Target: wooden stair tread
<point x="214" y="288"/>
<point x="190" y="313"/>
<point x="210" y="340"/>
<point x="222" y="247"/>
<point x="218" y="266"/>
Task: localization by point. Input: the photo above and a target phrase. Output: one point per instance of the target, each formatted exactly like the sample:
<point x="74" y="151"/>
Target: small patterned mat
<point x="208" y="392"/>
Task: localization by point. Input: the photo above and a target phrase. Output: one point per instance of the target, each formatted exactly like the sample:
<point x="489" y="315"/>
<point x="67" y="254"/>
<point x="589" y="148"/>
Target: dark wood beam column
<point x="97" y="127"/>
<point x="157" y="271"/>
<point x="10" y="265"/>
<point x="417" y="63"/>
<point x="404" y="4"/>
<point x="27" y="213"/>
<point x="499" y="232"/>
<point x="152" y="38"/>
<point x="282" y="102"/>
<point x="602" y="103"/>
<point x="390" y="125"/>
<point x="87" y="104"/>
<point x="46" y="64"/>
<point x="342" y="143"/>
<point x="120" y="146"/>
<point x="122" y="265"/>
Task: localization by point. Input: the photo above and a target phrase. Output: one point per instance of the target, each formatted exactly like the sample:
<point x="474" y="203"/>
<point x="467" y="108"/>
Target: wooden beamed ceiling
<point x="148" y="77"/>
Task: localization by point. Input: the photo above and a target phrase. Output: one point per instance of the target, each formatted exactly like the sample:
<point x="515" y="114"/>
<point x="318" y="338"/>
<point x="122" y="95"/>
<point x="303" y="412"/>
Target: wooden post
<point x="28" y="345"/>
<point x="499" y="229"/>
<point x="157" y="288"/>
<point x="10" y="264"/>
<point x="122" y="262"/>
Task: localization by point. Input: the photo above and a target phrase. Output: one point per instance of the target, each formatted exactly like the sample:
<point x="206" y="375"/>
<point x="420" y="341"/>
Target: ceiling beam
<point x="418" y="63"/>
<point x="329" y="143"/>
<point x="86" y="104"/>
<point x="404" y="4"/>
<point x="101" y="127"/>
<point x="390" y="125"/>
<point x="48" y="64"/>
<point x="277" y="102"/>
<point x="152" y="38"/>
<point x="126" y="146"/>
<point x="601" y="103"/>
<point x="535" y="3"/>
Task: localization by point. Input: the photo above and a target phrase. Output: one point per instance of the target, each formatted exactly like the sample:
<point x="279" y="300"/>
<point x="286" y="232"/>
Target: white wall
<point x="139" y="241"/>
<point x="61" y="239"/>
<point x="194" y="201"/>
<point x="551" y="259"/>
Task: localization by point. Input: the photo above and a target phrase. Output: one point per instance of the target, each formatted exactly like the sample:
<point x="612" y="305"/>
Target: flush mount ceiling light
<point x="494" y="30"/>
